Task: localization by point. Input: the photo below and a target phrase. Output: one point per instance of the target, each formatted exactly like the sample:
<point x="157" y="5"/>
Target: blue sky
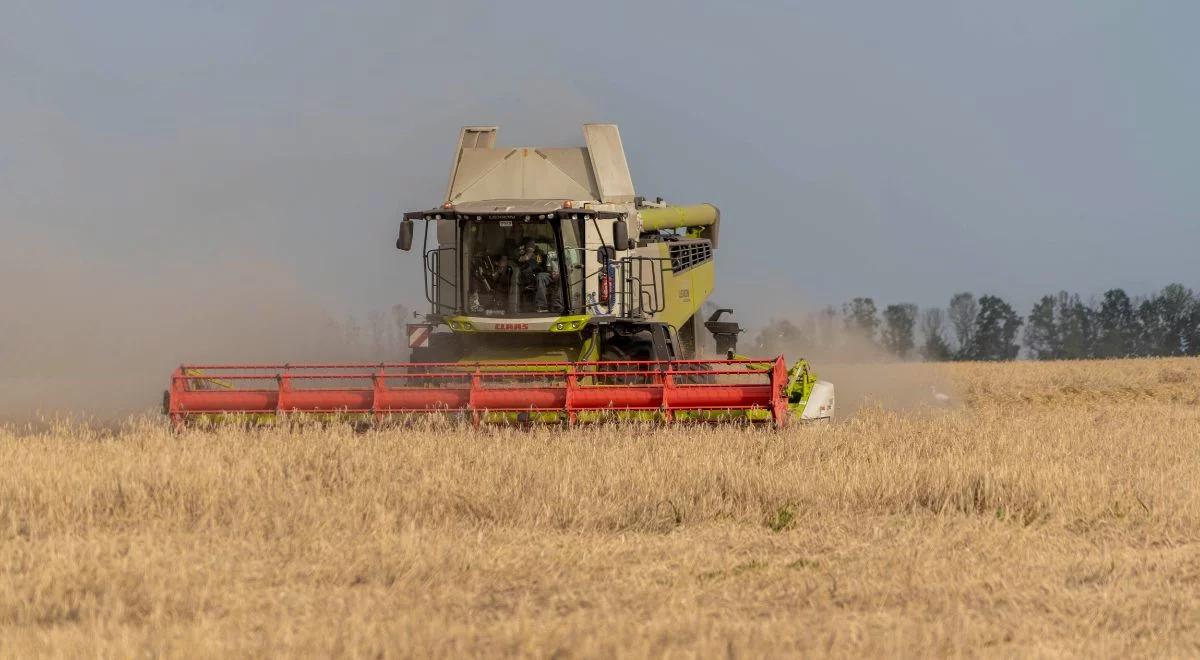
<point x="897" y="150"/>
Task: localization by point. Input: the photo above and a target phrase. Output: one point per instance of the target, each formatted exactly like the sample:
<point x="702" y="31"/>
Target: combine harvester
<point x="557" y="295"/>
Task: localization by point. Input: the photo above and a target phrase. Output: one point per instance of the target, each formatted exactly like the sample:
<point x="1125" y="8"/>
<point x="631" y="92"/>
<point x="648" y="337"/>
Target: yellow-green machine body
<point x="547" y="254"/>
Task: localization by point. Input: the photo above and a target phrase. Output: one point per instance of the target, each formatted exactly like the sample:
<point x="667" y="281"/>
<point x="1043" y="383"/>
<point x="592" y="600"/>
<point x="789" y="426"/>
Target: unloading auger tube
<point x="536" y="392"/>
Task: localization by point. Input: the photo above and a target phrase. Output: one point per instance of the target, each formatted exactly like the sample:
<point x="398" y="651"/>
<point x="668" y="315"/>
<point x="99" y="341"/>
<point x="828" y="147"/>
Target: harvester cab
<point x="554" y="241"/>
<point x="556" y="294"/>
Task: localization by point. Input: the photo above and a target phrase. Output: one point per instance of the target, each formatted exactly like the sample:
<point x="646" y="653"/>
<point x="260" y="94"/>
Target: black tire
<point x="624" y="346"/>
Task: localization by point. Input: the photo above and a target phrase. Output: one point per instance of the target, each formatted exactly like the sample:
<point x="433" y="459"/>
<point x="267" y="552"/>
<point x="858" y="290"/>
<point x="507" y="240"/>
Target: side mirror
<point x="621" y="234"/>
<point x="404" y="240"/>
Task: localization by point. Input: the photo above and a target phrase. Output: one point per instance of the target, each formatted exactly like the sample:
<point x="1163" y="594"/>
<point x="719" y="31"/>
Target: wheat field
<point x="1052" y="509"/>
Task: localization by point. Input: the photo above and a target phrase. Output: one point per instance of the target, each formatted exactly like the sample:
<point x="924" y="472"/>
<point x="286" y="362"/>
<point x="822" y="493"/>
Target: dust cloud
<point x="123" y="255"/>
<point x="863" y="373"/>
<point x="890" y="385"/>
<point x="90" y="338"/>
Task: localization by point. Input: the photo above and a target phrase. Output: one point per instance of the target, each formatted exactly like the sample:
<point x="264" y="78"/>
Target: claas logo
<point x="512" y="326"/>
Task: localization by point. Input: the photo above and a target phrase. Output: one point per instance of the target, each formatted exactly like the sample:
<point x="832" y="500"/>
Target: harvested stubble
<point x="1057" y="511"/>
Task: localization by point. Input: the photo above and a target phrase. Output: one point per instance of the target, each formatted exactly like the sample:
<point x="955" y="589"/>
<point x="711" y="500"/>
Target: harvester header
<point x="514" y="392"/>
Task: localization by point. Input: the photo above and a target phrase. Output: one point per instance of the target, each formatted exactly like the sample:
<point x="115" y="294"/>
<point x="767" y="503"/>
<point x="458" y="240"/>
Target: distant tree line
<point x="1060" y="326"/>
<point x="1165" y="324"/>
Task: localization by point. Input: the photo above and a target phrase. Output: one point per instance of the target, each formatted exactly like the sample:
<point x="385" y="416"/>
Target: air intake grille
<point x="690" y="254"/>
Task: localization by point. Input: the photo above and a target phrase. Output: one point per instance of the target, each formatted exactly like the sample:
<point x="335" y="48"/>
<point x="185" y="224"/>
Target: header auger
<point x="556" y="295"/>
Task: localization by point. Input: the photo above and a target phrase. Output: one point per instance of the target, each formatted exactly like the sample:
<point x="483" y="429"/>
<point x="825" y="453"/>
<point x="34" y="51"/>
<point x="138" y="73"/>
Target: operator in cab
<point x="539" y="273"/>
